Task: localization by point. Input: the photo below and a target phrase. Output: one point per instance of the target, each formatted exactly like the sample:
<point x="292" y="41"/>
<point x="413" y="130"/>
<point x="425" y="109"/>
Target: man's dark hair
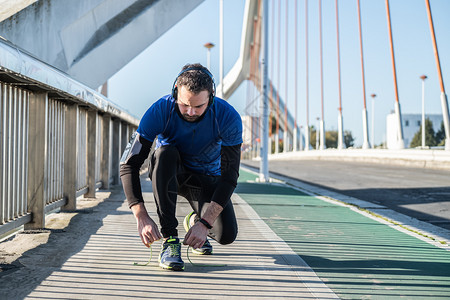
<point x="195" y="80"/>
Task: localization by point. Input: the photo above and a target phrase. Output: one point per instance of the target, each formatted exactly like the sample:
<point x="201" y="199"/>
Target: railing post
<point x="131" y="130"/>
<point x="37" y="159"/>
<point x="91" y="147"/>
<point x="104" y="164"/>
<point x="124" y="137"/>
<point x="70" y="156"/>
<point x="115" y="153"/>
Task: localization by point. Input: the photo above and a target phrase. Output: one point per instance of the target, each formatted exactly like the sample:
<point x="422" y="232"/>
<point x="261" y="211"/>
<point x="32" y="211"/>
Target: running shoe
<point x="206" y="249"/>
<point x="170" y="255"/>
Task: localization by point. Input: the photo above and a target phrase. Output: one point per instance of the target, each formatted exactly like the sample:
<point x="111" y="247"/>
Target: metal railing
<point x="82" y="150"/>
<point x="55" y="152"/>
<point x="13" y="148"/>
<point x="58" y="140"/>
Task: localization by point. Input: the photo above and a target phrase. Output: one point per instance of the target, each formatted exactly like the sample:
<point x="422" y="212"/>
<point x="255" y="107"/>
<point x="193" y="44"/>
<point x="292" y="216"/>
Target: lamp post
<point x="373" y="120"/>
<point x="264" y="164"/>
<point x="208" y="54"/>
<point x="322" y="120"/>
<point x="423" y="77"/>
<point x="307" y="127"/>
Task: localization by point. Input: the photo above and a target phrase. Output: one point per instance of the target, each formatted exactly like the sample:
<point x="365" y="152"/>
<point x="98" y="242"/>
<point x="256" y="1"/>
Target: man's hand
<point x="196" y="236"/>
<point x="147" y="228"/>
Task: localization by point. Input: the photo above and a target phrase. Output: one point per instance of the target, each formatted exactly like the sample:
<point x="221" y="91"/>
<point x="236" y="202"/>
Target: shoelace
<point x="187" y="255"/>
<point x="174" y="249"/>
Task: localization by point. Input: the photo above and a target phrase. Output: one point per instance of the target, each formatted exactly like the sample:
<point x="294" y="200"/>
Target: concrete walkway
<point x="93" y="258"/>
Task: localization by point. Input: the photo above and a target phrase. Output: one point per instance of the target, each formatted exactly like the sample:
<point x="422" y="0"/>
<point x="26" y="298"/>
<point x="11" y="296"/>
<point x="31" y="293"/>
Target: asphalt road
<point x="420" y="193"/>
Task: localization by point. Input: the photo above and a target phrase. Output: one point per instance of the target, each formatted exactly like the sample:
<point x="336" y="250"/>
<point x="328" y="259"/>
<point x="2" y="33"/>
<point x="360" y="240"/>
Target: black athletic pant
<point x="170" y="178"/>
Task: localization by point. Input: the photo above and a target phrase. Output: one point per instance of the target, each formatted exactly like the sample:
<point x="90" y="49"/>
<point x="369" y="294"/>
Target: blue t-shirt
<point x="198" y="143"/>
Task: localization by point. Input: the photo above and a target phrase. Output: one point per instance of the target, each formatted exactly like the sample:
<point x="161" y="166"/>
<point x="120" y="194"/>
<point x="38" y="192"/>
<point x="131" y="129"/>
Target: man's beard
<point x="190" y="118"/>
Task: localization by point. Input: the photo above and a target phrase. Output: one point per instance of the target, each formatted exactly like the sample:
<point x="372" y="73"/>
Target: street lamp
<point x="423" y="77"/>
<point x="208" y="54"/>
<point x="373" y="120"/>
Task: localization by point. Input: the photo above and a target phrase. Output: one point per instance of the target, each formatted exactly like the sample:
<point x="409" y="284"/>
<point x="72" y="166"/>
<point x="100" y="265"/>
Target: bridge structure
<point x="51" y="100"/>
<point x="286" y="135"/>
<point x="61" y="141"/>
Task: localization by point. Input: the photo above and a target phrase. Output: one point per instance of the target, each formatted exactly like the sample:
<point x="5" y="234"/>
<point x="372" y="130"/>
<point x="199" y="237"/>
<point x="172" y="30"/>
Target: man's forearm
<point x="212" y="212"/>
<point x="131" y="184"/>
<point x="132" y="159"/>
<point x="139" y="210"/>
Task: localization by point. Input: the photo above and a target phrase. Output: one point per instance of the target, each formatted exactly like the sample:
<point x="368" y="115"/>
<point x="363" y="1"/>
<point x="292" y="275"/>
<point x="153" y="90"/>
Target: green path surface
<point x="355" y="256"/>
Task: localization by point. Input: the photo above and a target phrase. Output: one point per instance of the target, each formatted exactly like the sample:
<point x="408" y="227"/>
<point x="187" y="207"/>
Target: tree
<point x="440" y="135"/>
<point x="331" y="139"/>
<point x="349" y="141"/>
<point x="430" y="138"/>
<point x="312" y="136"/>
<point x="273" y="121"/>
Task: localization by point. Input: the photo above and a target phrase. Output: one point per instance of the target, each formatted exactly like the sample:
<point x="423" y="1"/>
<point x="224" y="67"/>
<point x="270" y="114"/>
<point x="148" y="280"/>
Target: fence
<point x="58" y="140"/>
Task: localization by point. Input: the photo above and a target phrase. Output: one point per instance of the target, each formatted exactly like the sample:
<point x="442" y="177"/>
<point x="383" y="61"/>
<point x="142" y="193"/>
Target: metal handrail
<point x="18" y="62"/>
<point x="59" y="139"/>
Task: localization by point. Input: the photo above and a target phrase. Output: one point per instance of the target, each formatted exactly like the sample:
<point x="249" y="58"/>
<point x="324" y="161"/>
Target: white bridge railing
<point x="58" y="140"/>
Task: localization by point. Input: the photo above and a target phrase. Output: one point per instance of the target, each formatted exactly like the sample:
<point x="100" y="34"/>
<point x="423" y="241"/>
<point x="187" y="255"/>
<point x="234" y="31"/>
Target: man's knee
<point x="228" y="237"/>
<point x="167" y="152"/>
<point x="164" y="156"/>
<point x="164" y="163"/>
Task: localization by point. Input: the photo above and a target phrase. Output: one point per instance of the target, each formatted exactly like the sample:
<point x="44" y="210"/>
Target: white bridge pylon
<point x="245" y="69"/>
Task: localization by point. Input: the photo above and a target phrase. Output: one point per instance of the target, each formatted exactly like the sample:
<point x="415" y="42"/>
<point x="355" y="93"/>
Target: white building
<point x="411" y="124"/>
